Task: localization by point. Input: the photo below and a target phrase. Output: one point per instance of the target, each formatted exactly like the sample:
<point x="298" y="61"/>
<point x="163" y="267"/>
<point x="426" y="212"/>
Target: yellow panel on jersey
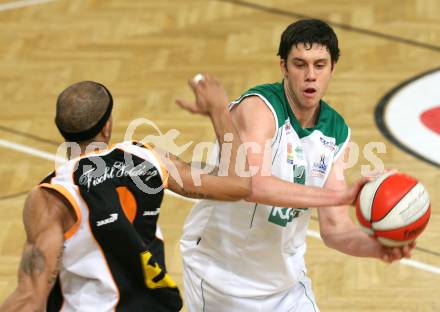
<point x="152" y="271"/>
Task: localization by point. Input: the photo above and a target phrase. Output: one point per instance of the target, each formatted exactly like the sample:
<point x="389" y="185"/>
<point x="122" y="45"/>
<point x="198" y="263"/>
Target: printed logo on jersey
<point x="151" y="212"/>
<point x="409" y="116"/>
<point x="299" y="174"/>
<point x="282" y="216"/>
<point x="290" y="153"/>
<point x="319" y="168"/>
<point x="113" y="218"/>
<point x="294" y="153"/>
<point x="119" y="169"/>
<point x="299" y="153"/>
<point x="288" y="127"/>
<point x="328" y="144"/>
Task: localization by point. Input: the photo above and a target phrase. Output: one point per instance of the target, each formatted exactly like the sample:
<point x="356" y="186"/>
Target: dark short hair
<point x="309" y="32"/>
<point x="81" y="106"/>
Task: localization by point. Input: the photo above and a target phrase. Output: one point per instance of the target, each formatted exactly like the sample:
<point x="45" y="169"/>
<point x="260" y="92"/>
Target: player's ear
<point x="283" y="67"/>
<point x="107" y="129"/>
<point x="333" y="67"/>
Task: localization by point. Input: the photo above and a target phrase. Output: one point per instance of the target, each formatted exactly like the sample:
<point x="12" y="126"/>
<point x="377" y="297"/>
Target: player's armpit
<point x="44" y="218"/>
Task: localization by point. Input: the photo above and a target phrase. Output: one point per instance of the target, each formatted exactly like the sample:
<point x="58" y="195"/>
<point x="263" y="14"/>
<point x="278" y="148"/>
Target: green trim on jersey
<point x="330" y="123"/>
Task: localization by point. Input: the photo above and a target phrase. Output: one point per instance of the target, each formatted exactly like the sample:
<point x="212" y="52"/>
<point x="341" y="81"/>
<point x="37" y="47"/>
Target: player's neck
<point x="87" y="148"/>
<point x="307" y="117"/>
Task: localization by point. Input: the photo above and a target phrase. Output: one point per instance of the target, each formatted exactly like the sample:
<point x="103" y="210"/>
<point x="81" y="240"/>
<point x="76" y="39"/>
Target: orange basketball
<point x="394" y="208"/>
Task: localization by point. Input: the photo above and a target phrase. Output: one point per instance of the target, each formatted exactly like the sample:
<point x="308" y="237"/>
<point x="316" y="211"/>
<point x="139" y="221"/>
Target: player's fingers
<point x="364" y="180"/>
<point x="189" y="106"/>
<point x="397" y="253"/>
<point x="207" y="77"/>
<point x="196" y="82"/>
<point x="406" y="251"/>
<point x="386" y="258"/>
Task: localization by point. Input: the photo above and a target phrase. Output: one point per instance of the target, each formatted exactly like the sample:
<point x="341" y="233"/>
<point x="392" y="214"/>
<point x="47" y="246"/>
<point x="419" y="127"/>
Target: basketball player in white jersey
<point x="249" y="256"/>
<point x="92" y="238"/>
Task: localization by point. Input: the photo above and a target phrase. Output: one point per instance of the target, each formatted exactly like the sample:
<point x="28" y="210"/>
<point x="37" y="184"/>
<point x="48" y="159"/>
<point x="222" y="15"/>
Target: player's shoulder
<point x="41" y="199"/>
<point x="264" y="100"/>
<point x="254" y="116"/>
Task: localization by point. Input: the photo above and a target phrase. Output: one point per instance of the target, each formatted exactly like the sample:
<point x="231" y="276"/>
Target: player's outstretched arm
<point x="339" y="232"/>
<point x="224" y="182"/>
<point x="42" y="252"/>
<point x="256" y="126"/>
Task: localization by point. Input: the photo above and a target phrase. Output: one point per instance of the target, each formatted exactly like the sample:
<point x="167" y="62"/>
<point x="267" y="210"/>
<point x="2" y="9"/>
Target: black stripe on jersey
<point x="123" y="243"/>
<point x="56" y="299"/>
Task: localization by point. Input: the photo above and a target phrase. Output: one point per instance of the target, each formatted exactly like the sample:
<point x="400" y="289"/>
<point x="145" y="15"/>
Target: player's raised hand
<point x="209" y="95"/>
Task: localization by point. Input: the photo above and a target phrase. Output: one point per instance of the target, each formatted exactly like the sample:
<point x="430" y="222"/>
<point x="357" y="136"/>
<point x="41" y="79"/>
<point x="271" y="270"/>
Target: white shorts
<point x="200" y="297"/>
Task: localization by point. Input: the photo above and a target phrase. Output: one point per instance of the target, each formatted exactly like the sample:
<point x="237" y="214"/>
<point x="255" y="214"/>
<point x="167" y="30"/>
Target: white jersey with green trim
<point x="247" y="249"/>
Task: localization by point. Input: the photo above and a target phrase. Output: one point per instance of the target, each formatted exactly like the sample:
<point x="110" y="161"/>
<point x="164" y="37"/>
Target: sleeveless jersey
<point x="247" y="249"/>
<point x="113" y="257"/>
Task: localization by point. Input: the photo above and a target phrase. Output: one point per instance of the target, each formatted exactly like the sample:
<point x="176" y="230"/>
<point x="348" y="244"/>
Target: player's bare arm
<point x="259" y="127"/>
<point x="224" y="183"/>
<point x="46" y="217"/>
<point x="339" y="232"/>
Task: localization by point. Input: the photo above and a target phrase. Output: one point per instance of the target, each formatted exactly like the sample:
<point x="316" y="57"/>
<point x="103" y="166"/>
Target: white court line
<point x="420" y="265"/>
<point x="30" y="150"/>
<point x="21" y="4"/>
<point x="42" y="154"/>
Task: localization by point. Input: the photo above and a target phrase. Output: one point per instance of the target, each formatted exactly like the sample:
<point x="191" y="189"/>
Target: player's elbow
<point x="335" y="230"/>
<point x="327" y="238"/>
<point x="246" y="187"/>
<point x="257" y="188"/>
<point x="241" y="190"/>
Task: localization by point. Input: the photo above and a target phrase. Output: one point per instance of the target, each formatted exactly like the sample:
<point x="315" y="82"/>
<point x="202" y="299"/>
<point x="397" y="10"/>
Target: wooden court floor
<point x="145" y="50"/>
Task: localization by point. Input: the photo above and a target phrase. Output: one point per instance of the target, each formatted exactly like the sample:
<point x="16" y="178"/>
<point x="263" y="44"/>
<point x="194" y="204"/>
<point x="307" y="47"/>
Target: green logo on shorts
<point x="282" y="216"/>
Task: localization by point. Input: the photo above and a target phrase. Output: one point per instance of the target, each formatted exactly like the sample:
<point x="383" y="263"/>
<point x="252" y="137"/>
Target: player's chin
<point x="310" y="102"/>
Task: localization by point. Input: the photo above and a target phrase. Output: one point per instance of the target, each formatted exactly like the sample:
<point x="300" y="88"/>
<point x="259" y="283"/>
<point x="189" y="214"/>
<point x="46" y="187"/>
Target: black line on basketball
<point x="396" y="203"/>
<point x="374" y="197"/>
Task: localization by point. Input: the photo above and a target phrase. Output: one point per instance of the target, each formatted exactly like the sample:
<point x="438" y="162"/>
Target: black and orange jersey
<point x="114" y="255"/>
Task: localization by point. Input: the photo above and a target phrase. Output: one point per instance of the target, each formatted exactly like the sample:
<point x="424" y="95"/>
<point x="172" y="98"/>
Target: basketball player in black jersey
<point x="92" y="242"/>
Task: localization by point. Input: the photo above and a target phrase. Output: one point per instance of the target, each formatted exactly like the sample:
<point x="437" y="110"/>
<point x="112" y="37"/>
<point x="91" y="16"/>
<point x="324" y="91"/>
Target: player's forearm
<point x="229" y="148"/>
<point x="356" y="244"/>
<point x="276" y="192"/>
<point x="346" y="237"/>
<point x="21" y="300"/>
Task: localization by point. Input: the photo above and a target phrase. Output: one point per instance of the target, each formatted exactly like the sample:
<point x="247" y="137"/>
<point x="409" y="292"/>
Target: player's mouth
<point x="309" y="92"/>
